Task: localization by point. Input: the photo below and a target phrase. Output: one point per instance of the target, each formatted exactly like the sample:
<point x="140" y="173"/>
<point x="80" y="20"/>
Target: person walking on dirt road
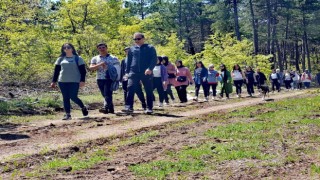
<point x="142" y="58"/>
<point x="226" y="84"/>
<point x="70" y="73"/>
<point x="171" y="70"/>
<point x="103" y="63"/>
<point x="183" y="79"/>
<point x="124" y="81"/>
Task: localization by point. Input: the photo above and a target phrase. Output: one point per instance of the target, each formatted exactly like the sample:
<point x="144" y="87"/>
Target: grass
<point x="140" y="139"/>
<point x="78" y="161"/>
<point x="250" y="136"/>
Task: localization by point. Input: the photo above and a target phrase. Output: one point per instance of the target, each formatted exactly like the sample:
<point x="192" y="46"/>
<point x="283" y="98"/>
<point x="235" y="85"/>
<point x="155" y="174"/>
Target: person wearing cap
<point x="142" y="58"/>
<point x="124" y="81"/>
<point x="100" y="64"/>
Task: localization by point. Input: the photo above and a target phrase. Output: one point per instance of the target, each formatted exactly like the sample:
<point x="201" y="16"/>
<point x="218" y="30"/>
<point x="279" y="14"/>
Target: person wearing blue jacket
<point x="212" y="80"/>
<point x="200" y="79"/>
<point x="142" y="58"/>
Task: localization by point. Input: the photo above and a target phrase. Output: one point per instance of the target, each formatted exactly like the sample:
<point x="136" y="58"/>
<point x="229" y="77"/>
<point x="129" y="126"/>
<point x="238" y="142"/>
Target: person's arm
<point x="171" y="69"/>
<point x="129" y="61"/>
<point x="94" y="66"/>
<point x="83" y="72"/>
<point x="56" y="73"/>
<point x="189" y="76"/>
<point x="153" y="58"/>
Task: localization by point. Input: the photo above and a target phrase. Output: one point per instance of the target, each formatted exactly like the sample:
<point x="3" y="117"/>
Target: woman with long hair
<point x="171" y="70"/>
<point x="160" y="77"/>
<point x="70" y="74"/>
<point x="200" y="79"/>
<point x="237" y="76"/>
<point x="226" y="85"/>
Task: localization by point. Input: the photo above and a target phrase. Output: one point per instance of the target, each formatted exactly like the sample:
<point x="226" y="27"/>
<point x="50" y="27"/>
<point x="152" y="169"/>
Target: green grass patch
<point x="77" y="162"/>
<point x="315" y="168"/>
<point x="269" y="125"/>
<point x="140" y="139"/>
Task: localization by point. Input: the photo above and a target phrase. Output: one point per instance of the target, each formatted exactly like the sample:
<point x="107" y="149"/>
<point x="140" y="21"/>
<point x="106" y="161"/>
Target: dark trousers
<point x="287" y="84"/>
<point x="214" y="89"/>
<point x="238" y="85"/>
<point x="250" y="88"/>
<point x="70" y="91"/>
<point x="224" y="90"/>
<point x="168" y="92"/>
<point x="157" y="84"/>
<point x="275" y="83"/>
<point x="182" y="93"/>
<point x="138" y="92"/>
<point x="134" y="84"/>
<point x="204" y="87"/>
<point x="106" y="91"/>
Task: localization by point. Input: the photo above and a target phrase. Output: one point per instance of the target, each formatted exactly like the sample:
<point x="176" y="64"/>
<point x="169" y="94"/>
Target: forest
<point x="268" y="34"/>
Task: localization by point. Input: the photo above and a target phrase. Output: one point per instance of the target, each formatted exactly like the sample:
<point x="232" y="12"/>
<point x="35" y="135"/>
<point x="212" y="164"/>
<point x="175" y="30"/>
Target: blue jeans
<point x="106" y="91"/>
<point x="69" y="91"/>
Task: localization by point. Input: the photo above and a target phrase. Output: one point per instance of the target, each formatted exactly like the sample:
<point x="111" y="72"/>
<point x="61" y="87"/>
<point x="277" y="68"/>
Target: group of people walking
<point x="142" y="66"/>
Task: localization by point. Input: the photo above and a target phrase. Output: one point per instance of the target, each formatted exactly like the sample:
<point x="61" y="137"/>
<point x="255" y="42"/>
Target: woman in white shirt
<point x="237" y="76"/>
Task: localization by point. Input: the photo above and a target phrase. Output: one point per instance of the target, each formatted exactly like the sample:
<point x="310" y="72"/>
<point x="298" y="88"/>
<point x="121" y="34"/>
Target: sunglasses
<point x="137" y="39"/>
<point x="102" y="47"/>
<point x="67" y="47"/>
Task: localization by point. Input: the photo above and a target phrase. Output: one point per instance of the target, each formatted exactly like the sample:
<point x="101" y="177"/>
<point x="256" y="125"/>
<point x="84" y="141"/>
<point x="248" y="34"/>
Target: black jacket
<point x="140" y="59"/>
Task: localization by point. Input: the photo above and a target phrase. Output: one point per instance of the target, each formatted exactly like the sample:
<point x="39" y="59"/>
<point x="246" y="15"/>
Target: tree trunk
<point x="269" y="16"/>
<point x="297" y="57"/>
<point x="142" y="9"/>
<point x="236" y="20"/>
<point x="180" y="20"/>
<point x="254" y="29"/>
<point x="305" y="42"/>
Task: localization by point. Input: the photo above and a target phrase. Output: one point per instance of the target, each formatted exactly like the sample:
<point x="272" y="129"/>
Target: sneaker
<point x="103" y="110"/>
<point x="111" y="111"/>
<point x="67" y="117"/>
<point x="160" y="104"/>
<point x="127" y="110"/>
<point x="195" y="99"/>
<point x="206" y="99"/>
<point x="167" y="103"/>
<point x="213" y="97"/>
<point x="238" y="96"/>
<point x="149" y="111"/>
<point x="85" y="111"/>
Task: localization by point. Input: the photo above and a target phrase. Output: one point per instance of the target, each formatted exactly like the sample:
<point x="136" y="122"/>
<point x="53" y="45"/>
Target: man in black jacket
<point x="124" y="81"/>
<point x="141" y="60"/>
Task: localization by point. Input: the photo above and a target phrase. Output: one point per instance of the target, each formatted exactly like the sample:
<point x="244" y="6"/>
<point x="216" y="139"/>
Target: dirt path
<point x="47" y="136"/>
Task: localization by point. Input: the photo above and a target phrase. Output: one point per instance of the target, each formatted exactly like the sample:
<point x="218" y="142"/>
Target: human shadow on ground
<point x="7" y="127"/>
<point x="11" y="137"/>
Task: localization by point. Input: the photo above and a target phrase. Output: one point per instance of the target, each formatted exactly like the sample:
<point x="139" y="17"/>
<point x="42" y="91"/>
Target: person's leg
<point x="169" y="91"/>
<point x="236" y="84"/>
<point x="73" y="90"/>
<point x="197" y="88"/>
<point x="214" y="90"/>
<point x="252" y="87"/>
<point x="125" y="91"/>
<point x="184" y="93"/>
<point x="205" y="90"/>
<point x="278" y="86"/>
<point x="133" y="82"/>
<point x="273" y="84"/>
<point x="179" y="92"/>
<point x="160" y="92"/>
<point x="249" y="88"/>
<point x="147" y="81"/>
<point x="101" y="83"/>
<point x="108" y="93"/>
<point x="140" y="95"/>
<point x="64" y="88"/>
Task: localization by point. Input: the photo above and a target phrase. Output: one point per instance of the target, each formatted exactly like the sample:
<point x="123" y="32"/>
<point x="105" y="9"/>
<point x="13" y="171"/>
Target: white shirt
<point x="237" y="75"/>
<point x="157" y="71"/>
<point x="274" y="76"/>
